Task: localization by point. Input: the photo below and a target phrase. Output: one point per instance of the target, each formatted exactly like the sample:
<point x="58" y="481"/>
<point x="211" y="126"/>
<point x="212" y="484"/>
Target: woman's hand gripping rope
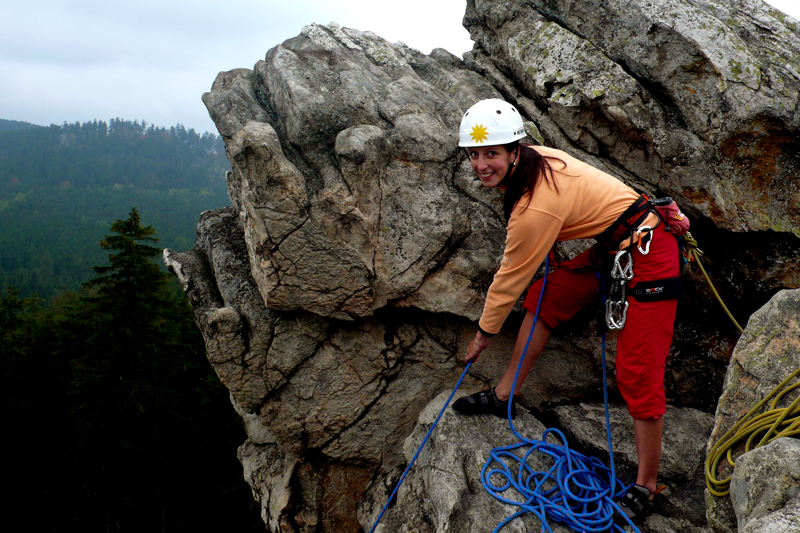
<point x="476" y="346"/>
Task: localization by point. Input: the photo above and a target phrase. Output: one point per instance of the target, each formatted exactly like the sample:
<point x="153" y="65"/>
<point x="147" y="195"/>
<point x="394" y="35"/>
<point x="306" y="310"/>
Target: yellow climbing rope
<point x="692" y="254"/>
<point x="749" y="427"/>
<point x="773" y="423"/>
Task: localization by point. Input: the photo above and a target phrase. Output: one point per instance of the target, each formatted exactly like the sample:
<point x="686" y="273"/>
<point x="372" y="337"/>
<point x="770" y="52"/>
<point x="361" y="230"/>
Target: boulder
<point x="765" y="488"/>
<point x="766" y="354"/>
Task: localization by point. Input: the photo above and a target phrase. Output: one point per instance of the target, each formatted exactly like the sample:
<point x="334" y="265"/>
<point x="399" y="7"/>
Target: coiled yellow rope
<point x="692" y="254"/>
<point x="749" y="427"/>
<point x="773" y="423"/>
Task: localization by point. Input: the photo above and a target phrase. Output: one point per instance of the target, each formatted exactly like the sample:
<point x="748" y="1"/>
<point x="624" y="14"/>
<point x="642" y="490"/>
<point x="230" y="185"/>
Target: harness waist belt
<point x="657" y="290"/>
<point x="627" y="222"/>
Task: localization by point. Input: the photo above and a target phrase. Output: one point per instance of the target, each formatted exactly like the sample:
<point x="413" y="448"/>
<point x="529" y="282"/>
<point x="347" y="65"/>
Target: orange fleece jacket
<point x="587" y="201"/>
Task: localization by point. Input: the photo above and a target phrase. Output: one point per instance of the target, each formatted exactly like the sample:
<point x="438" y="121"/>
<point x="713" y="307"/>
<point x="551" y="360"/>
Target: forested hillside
<point x="113" y="419"/>
<point x="116" y="421"/>
<point x="62" y="186"/>
<point x="11" y="125"/>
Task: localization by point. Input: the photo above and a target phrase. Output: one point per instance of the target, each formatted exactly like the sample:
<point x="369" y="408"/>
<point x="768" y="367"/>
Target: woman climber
<point x="551" y="196"/>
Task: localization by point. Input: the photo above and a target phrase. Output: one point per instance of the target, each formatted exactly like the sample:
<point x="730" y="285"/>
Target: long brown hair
<point x="530" y="165"/>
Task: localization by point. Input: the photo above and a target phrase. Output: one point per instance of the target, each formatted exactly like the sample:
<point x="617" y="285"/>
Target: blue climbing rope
<point x="419" y="450"/>
<point x="576" y="491"/>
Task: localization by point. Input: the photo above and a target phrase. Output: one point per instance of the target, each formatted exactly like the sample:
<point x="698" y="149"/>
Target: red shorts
<point x="643" y="344"/>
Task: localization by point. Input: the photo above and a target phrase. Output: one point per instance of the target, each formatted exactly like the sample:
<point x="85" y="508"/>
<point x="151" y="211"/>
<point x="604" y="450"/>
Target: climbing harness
<point x="627" y="229"/>
<point x="773" y="423"/>
<point x="627" y="223"/>
<point x="625" y="232"/>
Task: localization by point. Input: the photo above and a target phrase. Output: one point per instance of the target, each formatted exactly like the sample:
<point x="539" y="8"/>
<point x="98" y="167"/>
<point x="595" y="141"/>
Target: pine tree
<point x="154" y="435"/>
<point x="132" y="288"/>
<point x="124" y="394"/>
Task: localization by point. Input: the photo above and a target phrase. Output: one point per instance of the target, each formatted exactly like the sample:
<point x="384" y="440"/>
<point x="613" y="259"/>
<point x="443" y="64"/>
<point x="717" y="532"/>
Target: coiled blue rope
<point x="576" y="491"/>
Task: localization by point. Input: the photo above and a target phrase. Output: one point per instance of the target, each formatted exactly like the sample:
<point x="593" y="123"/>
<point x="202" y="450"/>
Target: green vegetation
<point x="61" y="185"/>
<point x="11" y="125"/>
<point x="113" y="419"/>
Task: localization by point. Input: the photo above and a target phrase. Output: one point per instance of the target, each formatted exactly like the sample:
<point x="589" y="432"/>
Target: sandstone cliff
<point x="337" y="294"/>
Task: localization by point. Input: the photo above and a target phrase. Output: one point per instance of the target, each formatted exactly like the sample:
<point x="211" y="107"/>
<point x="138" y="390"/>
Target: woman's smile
<point x="491" y="163"/>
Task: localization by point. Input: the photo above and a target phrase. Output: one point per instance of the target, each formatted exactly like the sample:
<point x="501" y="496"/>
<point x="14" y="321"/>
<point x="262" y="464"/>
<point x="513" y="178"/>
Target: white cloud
<point x="68" y="60"/>
<point x="790" y="7"/>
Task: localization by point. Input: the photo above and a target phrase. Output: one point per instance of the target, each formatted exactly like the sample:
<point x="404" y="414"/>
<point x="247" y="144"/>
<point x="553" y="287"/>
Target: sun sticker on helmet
<point x="479" y="133"/>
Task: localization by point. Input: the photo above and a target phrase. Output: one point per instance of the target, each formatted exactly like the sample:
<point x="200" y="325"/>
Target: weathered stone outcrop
<point x="766" y="354"/>
<point x="443" y="493"/>
<point x="338" y="292"/>
<point x="765" y="488"/>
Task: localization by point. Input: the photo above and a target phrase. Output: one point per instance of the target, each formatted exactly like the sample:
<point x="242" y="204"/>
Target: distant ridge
<point x="61" y="186"/>
<point x="12" y="125"/>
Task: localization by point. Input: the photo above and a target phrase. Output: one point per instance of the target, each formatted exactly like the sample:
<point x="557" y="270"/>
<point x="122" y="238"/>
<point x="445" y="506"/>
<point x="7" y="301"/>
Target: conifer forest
<point x="114" y="419"/>
<point x="62" y="186"/>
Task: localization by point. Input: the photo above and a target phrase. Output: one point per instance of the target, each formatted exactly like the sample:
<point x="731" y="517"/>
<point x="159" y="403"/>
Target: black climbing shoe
<point x="635" y="504"/>
<point x="484" y="402"/>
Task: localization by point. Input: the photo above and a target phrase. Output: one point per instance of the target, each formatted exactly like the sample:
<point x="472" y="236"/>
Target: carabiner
<point x="616" y="314"/>
<point x="618" y="271"/>
<point x="648" y="231"/>
<point x="617" y="311"/>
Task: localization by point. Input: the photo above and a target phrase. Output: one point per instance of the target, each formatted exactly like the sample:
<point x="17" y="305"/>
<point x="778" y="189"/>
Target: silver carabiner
<point x="618" y="271"/>
<point x="639" y="231"/>
<point x="610" y="309"/>
<point x="616" y="314"/>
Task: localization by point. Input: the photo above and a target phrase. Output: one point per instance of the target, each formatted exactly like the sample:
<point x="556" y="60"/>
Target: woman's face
<point x="491" y="163"/>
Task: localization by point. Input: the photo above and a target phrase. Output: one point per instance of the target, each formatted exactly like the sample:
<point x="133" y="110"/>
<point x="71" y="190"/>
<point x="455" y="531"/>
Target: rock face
<point x="338" y="292"/>
<point x="766" y="488"/>
<point x="443" y="493"/>
<point x="766" y="354"/>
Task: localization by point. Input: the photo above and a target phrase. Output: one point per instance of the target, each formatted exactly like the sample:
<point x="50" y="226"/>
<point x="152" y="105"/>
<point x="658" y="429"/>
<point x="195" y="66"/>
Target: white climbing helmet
<point x="490" y="122"/>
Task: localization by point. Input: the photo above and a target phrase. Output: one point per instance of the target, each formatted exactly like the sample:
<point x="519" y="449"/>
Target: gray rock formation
<point x="765" y="488"/>
<point x="338" y="292"/>
<point x="443" y="493"/>
<point x="766" y="354"/>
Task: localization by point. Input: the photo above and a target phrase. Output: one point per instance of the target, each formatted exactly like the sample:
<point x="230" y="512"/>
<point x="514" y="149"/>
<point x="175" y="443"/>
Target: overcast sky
<point x="78" y="60"/>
